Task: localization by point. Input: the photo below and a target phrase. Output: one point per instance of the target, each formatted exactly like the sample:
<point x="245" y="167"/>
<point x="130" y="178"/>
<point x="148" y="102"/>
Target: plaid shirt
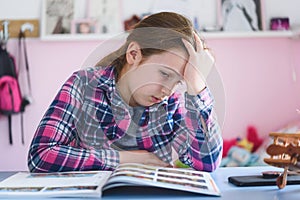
<point x="88" y="115"/>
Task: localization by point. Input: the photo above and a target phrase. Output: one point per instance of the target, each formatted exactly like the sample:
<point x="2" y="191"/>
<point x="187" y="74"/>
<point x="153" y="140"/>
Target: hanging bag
<point x="11" y="99"/>
<point x="10" y="94"/>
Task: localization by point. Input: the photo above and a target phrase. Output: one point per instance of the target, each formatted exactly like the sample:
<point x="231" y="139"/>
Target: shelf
<point x="207" y="35"/>
<point x="80" y="37"/>
<point x="255" y="34"/>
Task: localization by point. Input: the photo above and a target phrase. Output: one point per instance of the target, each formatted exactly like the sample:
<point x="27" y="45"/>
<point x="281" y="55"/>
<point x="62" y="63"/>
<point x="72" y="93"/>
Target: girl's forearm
<point x="140" y="156"/>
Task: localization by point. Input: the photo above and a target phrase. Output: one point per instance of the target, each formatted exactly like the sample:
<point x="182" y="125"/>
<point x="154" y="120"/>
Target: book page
<point x="171" y="178"/>
<point x="64" y="184"/>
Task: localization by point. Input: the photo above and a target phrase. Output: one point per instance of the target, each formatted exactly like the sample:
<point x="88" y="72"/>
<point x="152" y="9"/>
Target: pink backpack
<point x="10" y="95"/>
<point x="11" y="100"/>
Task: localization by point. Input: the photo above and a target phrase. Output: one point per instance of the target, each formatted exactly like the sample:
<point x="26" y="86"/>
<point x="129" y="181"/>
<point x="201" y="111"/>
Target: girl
<point x="127" y="110"/>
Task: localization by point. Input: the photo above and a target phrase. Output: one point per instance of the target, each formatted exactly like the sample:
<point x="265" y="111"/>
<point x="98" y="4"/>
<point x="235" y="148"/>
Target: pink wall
<point x="256" y="75"/>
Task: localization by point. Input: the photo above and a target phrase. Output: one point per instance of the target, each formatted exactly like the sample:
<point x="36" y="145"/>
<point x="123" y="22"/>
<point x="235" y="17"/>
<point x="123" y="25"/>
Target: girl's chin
<point x="141" y="103"/>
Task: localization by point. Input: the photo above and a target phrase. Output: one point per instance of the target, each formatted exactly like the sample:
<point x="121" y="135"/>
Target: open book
<point x="93" y="183"/>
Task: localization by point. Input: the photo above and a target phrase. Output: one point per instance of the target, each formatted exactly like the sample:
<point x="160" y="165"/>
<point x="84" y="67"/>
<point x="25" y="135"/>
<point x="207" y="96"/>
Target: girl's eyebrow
<point x="171" y="69"/>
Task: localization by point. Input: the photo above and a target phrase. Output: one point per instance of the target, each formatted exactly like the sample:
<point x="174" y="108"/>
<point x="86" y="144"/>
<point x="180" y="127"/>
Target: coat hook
<point x="5" y="24"/>
<point x="27" y="26"/>
<point x="4" y="35"/>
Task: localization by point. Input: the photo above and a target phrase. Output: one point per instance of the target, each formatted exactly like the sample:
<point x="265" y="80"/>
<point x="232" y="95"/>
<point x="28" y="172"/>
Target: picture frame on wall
<point x="84" y="26"/>
<point x="69" y="18"/>
<point x="108" y="15"/>
<point x="240" y="15"/>
<point x="57" y="16"/>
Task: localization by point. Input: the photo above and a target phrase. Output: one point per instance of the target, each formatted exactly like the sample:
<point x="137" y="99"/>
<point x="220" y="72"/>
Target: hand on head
<point x="198" y="66"/>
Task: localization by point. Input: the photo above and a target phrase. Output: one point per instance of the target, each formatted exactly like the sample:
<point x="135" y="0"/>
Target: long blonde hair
<point x="155" y="34"/>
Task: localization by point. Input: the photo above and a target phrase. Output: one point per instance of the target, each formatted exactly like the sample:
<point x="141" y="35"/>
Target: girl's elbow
<point x="209" y="163"/>
<point x="35" y="161"/>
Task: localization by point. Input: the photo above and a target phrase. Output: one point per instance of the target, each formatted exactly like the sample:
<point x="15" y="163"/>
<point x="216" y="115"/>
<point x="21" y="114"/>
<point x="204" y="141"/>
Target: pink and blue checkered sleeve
<point x="55" y="146"/>
<point x="199" y="141"/>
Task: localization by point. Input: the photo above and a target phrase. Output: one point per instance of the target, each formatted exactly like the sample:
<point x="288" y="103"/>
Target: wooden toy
<point x="284" y="153"/>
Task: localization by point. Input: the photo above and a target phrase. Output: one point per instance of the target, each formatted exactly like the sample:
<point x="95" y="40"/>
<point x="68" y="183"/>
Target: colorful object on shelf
<point x="129" y="23"/>
<point x="280" y="23"/>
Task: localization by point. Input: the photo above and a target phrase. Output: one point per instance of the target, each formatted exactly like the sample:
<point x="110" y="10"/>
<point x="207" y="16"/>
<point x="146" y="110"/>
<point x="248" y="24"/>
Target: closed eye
<point x="164" y="74"/>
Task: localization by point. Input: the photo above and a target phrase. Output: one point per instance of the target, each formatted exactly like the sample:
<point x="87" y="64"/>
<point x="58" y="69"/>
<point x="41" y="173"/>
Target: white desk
<point x="229" y="191"/>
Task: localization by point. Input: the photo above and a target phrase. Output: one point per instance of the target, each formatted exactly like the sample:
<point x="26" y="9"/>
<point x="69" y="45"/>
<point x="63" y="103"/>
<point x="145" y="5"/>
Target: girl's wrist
<point x="196" y="89"/>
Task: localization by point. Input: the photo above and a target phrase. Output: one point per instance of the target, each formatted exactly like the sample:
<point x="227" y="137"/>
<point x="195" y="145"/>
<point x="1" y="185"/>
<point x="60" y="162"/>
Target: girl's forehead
<point x="174" y="60"/>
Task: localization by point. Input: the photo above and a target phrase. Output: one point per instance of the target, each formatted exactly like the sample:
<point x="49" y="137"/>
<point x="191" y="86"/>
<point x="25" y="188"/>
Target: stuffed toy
<point x="238" y="157"/>
<point x="252" y="136"/>
<point x="239" y="152"/>
<point x="251" y="142"/>
<point x="246" y="144"/>
<point x="227" y="144"/>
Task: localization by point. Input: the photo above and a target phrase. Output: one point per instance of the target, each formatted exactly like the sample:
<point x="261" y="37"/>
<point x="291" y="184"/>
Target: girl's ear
<point x="133" y="53"/>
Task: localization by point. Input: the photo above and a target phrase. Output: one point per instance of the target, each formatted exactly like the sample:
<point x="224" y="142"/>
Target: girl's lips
<point x="156" y="100"/>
